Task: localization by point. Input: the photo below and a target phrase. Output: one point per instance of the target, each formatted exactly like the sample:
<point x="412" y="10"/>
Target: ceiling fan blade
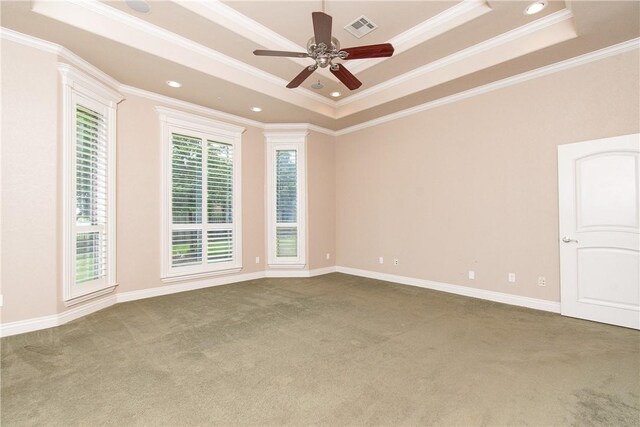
<point x="280" y="53"/>
<point x="322" y="28"/>
<point x="346" y="77"/>
<point x="301" y="77"/>
<point x="371" y="51"/>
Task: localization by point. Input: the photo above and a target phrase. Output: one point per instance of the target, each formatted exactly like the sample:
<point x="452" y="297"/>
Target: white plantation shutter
<point x="88" y="190"/>
<point x="186" y="200"/>
<point x="219" y="202"/>
<point x="202" y="196"/>
<point x="91" y="249"/>
<point x="286" y="198"/>
<point x="286" y="203"/>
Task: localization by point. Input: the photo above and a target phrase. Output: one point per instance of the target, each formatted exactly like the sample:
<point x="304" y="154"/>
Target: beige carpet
<point x="331" y="350"/>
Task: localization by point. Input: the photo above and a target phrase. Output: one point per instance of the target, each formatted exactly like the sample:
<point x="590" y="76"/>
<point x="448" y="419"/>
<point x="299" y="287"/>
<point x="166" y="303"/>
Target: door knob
<point x="568" y="240"/>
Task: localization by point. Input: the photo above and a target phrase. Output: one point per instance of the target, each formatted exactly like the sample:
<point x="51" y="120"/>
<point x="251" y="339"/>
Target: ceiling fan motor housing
<point x="322" y="54"/>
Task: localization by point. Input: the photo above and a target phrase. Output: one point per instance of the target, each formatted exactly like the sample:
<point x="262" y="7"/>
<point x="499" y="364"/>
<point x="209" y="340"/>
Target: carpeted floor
<point x="331" y="350"/>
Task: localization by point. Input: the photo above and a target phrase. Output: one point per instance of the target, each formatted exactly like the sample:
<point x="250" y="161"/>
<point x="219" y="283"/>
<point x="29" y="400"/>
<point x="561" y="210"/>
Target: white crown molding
<point x="188" y="106"/>
<point x="465" y="55"/>
<point x="511" y="299"/>
<point x="62" y="52"/>
<point x="509" y="81"/>
<point x="114" y="24"/>
<point x="72" y="58"/>
<point x="455" y="16"/>
<point x="111" y="23"/>
<point x="204" y="124"/>
<point x="229" y="18"/>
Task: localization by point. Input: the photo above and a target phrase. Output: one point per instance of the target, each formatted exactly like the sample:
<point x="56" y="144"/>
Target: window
<point x="201" y="193"/>
<point x="286" y="199"/>
<point x="89" y="114"/>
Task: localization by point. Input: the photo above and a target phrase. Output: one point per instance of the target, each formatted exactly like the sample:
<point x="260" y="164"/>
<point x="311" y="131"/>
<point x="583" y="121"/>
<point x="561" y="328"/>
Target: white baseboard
<point x="537" y="304"/>
<point x="299" y="273"/>
<point x="45" y="322"/>
<point x="183" y="287"/>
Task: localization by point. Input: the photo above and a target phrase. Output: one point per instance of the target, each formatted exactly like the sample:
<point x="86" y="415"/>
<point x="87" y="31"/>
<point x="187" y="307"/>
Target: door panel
<point x="603" y="273"/>
<point x="607" y="193"/>
<point x="599" y="230"/>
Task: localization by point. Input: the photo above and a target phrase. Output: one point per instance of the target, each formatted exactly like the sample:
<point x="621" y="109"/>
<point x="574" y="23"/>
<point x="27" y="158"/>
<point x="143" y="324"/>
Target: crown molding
<point x="627" y="46"/>
<point x="106" y="21"/>
<point x="597" y="55"/>
<point x="119" y="26"/>
<point x="229" y="18"/>
<point x="188" y="106"/>
<point x="62" y="52"/>
<point x="455" y="16"/>
<point x="499" y="41"/>
<point x="210" y="112"/>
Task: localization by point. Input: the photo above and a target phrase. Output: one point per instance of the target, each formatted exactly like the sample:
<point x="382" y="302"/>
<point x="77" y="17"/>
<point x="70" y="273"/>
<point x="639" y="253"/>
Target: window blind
<point x="286" y="203"/>
<point x="91" y="195"/>
<point x="219" y="202"/>
<point x="202" y="201"/>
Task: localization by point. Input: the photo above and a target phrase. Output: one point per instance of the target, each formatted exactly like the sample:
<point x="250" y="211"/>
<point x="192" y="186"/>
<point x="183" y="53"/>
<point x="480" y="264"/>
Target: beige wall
<point x="138" y="196"/>
<point x="321" y="188"/>
<point x="470" y="185"/>
<point x="29" y="182"/>
<point x="31" y="190"/>
<point x="473" y="185"/>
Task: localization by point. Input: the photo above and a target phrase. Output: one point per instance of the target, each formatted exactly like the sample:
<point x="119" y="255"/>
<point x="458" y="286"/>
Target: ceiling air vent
<point x="361" y="26"/>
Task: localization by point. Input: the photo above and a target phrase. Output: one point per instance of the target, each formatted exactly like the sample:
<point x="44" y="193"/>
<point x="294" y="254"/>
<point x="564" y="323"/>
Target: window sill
<point x="89" y="296"/>
<point x="290" y="266"/>
<point x="190" y="276"/>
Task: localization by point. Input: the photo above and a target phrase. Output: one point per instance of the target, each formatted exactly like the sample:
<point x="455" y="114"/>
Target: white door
<point x="599" y="230"/>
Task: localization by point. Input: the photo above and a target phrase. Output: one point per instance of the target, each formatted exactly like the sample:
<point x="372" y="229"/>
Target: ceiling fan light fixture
<point x="535" y="7"/>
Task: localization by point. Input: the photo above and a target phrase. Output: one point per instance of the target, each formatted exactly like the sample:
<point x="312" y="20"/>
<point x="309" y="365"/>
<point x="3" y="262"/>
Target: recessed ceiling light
<point x="535" y="7"/>
<point x="173" y="83"/>
<point x="256" y="109"/>
<point x="139" y="5"/>
<point x="335" y="94"/>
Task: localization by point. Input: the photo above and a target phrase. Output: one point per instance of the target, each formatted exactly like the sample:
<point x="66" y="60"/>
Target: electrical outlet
<point x="328" y="255"/>
<point x="257" y="260"/>
<point x="381" y="260"/>
<point x="542" y="281"/>
<point x="395" y="261"/>
<point x="512" y="277"/>
<point x="472" y="274"/>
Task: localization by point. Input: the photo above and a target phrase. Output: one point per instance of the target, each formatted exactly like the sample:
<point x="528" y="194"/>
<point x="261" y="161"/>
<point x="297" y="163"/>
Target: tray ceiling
<point x="442" y="48"/>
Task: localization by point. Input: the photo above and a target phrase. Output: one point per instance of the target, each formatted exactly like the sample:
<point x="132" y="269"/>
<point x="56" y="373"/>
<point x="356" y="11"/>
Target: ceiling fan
<point x="323" y="49"/>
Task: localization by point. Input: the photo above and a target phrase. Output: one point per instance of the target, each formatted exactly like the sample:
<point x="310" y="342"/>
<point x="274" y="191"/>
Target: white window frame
<point x="174" y="121"/>
<point x="287" y="141"/>
<point x="80" y="89"/>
